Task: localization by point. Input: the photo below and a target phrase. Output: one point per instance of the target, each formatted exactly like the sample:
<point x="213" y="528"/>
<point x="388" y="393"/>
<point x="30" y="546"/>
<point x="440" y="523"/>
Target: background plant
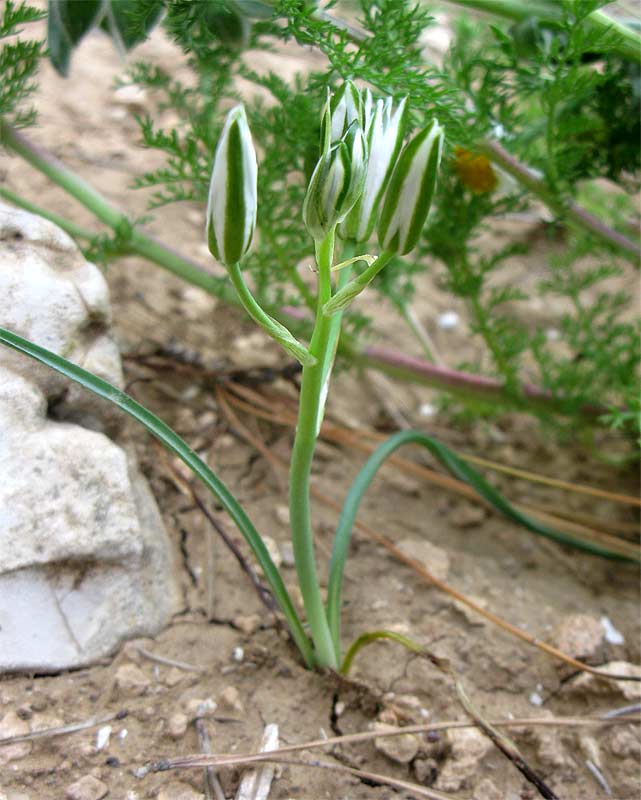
<point x="552" y="98"/>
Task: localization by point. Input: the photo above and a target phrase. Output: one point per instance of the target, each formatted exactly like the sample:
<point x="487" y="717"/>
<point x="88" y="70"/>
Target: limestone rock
<point x="84" y="558"/>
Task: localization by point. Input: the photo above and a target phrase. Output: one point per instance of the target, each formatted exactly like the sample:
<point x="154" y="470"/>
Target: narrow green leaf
<point x="176" y="445"/>
<point x="461" y="470"/>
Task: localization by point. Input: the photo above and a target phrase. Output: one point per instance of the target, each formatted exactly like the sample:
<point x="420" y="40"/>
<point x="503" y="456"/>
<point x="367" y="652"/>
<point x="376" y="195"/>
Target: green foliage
<point x="557" y="93"/>
<point x="69" y="21"/>
<point x="19" y="60"/>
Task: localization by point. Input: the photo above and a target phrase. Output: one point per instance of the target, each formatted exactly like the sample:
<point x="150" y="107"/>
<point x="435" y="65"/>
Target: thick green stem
<point x="314" y="386"/>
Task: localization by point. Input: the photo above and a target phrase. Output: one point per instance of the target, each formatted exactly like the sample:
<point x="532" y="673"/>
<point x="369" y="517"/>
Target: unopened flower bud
<point x="231" y="208"/>
<point x="409" y="193"/>
<point x="336" y="183"/>
<point x="341" y="109"/>
<point x="384" y="132"/>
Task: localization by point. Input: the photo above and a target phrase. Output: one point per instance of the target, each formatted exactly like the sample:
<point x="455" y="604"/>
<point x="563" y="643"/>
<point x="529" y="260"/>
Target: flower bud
<point x="384" y="132"/>
<point x="341" y="109"/>
<point x="336" y="183"/>
<point x="409" y="192"/>
<point x="231" y="208"/>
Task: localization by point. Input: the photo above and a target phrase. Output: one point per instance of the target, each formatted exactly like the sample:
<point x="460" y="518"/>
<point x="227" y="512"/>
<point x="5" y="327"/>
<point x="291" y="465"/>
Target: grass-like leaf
<point x="461" y="470"/>
<point x="176" y="445"/>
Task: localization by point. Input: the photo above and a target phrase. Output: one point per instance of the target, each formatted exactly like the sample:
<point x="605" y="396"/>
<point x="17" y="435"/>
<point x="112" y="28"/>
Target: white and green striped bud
<point x="231" y="207"/>
<point x="341" y="109"/>
<point x="336" y="183"/>
<point x="409" y="193"/>
<point x="384" y="131"/>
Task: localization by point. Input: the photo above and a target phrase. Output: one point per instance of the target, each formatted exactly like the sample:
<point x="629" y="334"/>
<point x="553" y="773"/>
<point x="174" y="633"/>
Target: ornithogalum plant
<point x="363" y="181"/>
<point x="360" y="143"/>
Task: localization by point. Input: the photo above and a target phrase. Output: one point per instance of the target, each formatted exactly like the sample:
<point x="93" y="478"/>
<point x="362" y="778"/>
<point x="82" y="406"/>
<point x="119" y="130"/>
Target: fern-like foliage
<point x="18" y="61"/>
<point x="556" y="95"/>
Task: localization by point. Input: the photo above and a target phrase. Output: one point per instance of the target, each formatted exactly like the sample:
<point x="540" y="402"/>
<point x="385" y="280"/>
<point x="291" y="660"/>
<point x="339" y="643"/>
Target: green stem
<point x="344" y="296"/>
<point x="314" y="385"/>
<point x="273" y="328"/>
<point x="69" y="227"/>
<point x="138" y="243"/>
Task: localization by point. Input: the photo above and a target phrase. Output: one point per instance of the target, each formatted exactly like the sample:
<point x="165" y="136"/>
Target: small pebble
<point x="200" y="707"/>
<point x="281" y="512"/>
<point x="87" y="788"/>
<point x="402" y="748"/>
<point x="131" y="680"/>
<point x="427" y="410"/>
<point x="230" y="699"/>
<point x="612" y="635"/>
<point x="247" y="623"/>
<point x="468" y="516"/>
<point x="174" y="676"/>
<point x="287" y="554"/>
<point x="131" y="96"/>
<point x="177" y="725"/>
<point x="448" y="320"/>
<point x="102" y="737"/>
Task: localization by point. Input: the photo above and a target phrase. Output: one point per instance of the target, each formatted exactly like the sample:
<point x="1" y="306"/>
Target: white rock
<point x="84" y="558"/>
<point x="87" y="788"/>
